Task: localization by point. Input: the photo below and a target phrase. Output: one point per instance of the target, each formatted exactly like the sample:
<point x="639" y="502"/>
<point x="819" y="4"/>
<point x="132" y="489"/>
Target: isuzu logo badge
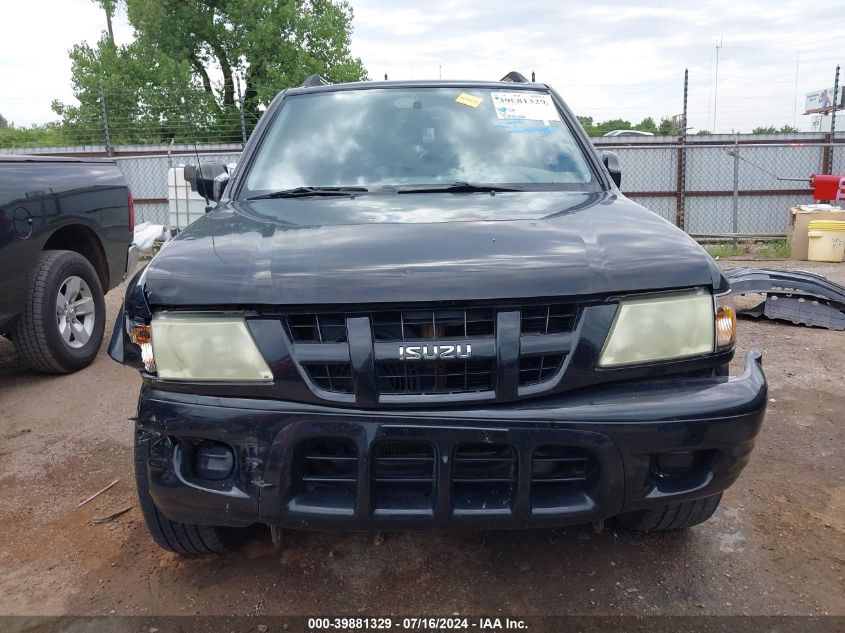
<point x="434" y="352"/>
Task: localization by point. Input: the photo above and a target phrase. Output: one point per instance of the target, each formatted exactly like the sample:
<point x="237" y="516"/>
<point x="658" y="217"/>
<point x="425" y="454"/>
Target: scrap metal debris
<point x="109" y="517"/>
<point x="97" y="494"/>
<point x="791" y="295"/>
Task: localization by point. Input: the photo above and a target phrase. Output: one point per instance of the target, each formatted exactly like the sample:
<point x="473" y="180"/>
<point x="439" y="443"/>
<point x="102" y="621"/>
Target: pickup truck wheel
<point x="183" y="538"/>
<point x="61" y="328"/>
<point x="678" y="516"/>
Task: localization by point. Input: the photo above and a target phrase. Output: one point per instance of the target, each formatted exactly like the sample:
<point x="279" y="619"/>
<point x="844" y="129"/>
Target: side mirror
<point x="208" y="179"/>
<point x="611" y="161"/>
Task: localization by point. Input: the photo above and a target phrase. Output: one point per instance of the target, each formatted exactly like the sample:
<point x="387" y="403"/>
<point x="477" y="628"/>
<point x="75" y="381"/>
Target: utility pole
<point x="716" y="84"/>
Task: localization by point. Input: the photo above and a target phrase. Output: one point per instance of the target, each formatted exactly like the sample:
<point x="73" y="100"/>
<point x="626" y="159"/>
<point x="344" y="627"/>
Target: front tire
<point x="61" y="327"/>
<point x="678" y="516"/>
<point x="183" y="538"/>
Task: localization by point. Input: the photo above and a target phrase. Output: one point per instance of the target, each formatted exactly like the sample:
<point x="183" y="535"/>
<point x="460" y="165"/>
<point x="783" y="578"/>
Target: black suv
<point x="427" y="304"/>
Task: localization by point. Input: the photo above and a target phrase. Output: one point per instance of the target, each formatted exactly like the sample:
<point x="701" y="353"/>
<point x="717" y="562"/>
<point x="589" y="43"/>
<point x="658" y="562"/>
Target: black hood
<point x="424" y="247"/>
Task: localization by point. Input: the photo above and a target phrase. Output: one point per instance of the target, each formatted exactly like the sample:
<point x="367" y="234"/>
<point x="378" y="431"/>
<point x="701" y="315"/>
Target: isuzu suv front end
<point x="428" y="305"/>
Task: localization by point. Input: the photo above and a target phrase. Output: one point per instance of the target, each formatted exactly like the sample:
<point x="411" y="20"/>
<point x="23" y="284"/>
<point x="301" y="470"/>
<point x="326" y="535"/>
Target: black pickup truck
<point x="65" y="239"/>
<point x="428" y="304"/>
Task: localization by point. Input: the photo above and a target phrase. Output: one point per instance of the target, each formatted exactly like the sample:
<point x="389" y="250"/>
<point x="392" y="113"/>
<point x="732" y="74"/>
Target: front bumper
<point x="566" y="459"/>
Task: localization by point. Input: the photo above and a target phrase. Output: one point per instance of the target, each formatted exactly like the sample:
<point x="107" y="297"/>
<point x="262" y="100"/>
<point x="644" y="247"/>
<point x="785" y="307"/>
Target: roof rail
<point x="313" y="80"/>
<point x="515" y="77"/>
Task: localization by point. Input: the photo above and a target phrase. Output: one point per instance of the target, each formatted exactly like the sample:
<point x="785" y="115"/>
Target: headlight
<point x="200" y="347"/>
<point x="660" y="328"/>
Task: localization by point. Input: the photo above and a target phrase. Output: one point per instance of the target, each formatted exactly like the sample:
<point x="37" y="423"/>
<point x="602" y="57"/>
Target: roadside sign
<point x="823" y="101"/>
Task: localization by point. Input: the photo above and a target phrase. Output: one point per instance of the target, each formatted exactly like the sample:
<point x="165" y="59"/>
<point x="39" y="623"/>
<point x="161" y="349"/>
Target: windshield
<point x="424" y="136"/>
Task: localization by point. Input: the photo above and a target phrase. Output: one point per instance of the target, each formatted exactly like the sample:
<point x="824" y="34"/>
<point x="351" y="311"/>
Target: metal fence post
<point x="241" y="111"/>
<point x="106" y="135"/>
<point x="827" y="163"/>
<point x="682" y="160"/>
<point x="735" y="210"/>
<point x="833" y="118"/>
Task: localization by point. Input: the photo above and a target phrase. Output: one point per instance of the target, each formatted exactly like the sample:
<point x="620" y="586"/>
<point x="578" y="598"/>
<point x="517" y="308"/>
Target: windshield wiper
<point x="303" y="192"/>
<point x="459" y="186"/>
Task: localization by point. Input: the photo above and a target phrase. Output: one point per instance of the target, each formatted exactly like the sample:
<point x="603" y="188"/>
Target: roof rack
<point x="515" y="77"/>
<point x="313" y="80"/>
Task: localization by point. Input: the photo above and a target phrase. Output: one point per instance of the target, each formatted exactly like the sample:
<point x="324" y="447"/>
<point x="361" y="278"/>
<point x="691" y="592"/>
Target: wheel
<point x="183" y="538"/>
<point x="61" y="327"/>
<point x="678" y="516"/>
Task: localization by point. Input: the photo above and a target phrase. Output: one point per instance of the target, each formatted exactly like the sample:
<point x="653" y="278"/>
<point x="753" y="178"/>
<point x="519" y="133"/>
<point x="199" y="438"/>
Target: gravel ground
<point x="775" y="546"/>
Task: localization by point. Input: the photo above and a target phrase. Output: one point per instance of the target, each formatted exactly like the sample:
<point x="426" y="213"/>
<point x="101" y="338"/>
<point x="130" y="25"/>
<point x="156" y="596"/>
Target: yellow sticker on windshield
<point x="469" y="100"/>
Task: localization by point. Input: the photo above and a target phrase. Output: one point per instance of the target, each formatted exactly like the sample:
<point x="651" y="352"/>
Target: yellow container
<point x="826" y="240"/>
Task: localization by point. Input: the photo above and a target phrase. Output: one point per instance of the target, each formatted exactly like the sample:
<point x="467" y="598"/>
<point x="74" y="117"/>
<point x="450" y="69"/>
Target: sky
<point x="606" y="59"/>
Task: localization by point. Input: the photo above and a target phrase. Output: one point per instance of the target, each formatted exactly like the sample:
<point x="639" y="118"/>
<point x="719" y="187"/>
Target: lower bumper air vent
<point x="328" y="478"/>
<point x="560" y="478"/>
<point x="403" y="479"/>
<point x="483" y="479"/>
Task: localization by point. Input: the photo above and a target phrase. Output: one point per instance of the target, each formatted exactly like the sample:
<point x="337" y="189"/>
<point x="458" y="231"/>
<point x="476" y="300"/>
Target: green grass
<point x="724" y="250"/>
<point x="769" y="249"/>
<point x="776" y="249"/>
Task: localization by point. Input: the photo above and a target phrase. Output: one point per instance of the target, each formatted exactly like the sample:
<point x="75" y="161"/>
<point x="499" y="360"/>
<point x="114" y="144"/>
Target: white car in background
<point x="628" y="133"/>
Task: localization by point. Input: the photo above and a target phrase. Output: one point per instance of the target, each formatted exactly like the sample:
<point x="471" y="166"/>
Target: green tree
<point x="666" y="127"/>
<point x="4" y="124"/>
<point x="704" y="133"/>
<point x="35" y="136"/>
<point x="646" y="125"/>
<point x="161" y="86"/>
<point x="771" y="129"/>
<point x="272" y="44"/>
<point x="587" y="123"/>
<point x="612" y="124"/>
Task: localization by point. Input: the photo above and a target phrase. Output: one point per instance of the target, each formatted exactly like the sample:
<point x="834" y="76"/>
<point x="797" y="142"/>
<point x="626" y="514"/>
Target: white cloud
<point x="607" y="59"/>
<point x="36" y="36"/>
<point x="611" y="59"/>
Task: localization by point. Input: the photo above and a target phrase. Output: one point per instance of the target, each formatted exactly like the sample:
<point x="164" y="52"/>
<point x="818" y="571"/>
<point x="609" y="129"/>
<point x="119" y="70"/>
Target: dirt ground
<point x="775" y="546"/>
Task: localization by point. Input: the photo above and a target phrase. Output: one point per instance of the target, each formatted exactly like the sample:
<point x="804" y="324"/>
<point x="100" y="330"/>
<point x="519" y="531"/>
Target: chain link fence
<point x="725" y="186"/>
<point x="714" y="186"/>
<point x="147" y="176"/>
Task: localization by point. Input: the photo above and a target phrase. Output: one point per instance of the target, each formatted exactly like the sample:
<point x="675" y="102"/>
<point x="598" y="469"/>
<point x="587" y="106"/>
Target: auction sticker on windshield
<point x="469" y="100"/>
<point x="524" y="105"/>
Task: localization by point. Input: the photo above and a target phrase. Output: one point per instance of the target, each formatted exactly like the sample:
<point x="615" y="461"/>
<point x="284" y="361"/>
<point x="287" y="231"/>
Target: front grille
<point x="417" y="325"/>
<point x="317" y="328"/>
<point x="446" y="376"/>
<point x="483" y="478"/>
<point x="403" y="478"/>
<point x="548" y="319"/>
<point x="328" y="475"/>
<point x="437" y="341"/>
<point x="537" y="369"/>
<point x="334" y="377"/>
